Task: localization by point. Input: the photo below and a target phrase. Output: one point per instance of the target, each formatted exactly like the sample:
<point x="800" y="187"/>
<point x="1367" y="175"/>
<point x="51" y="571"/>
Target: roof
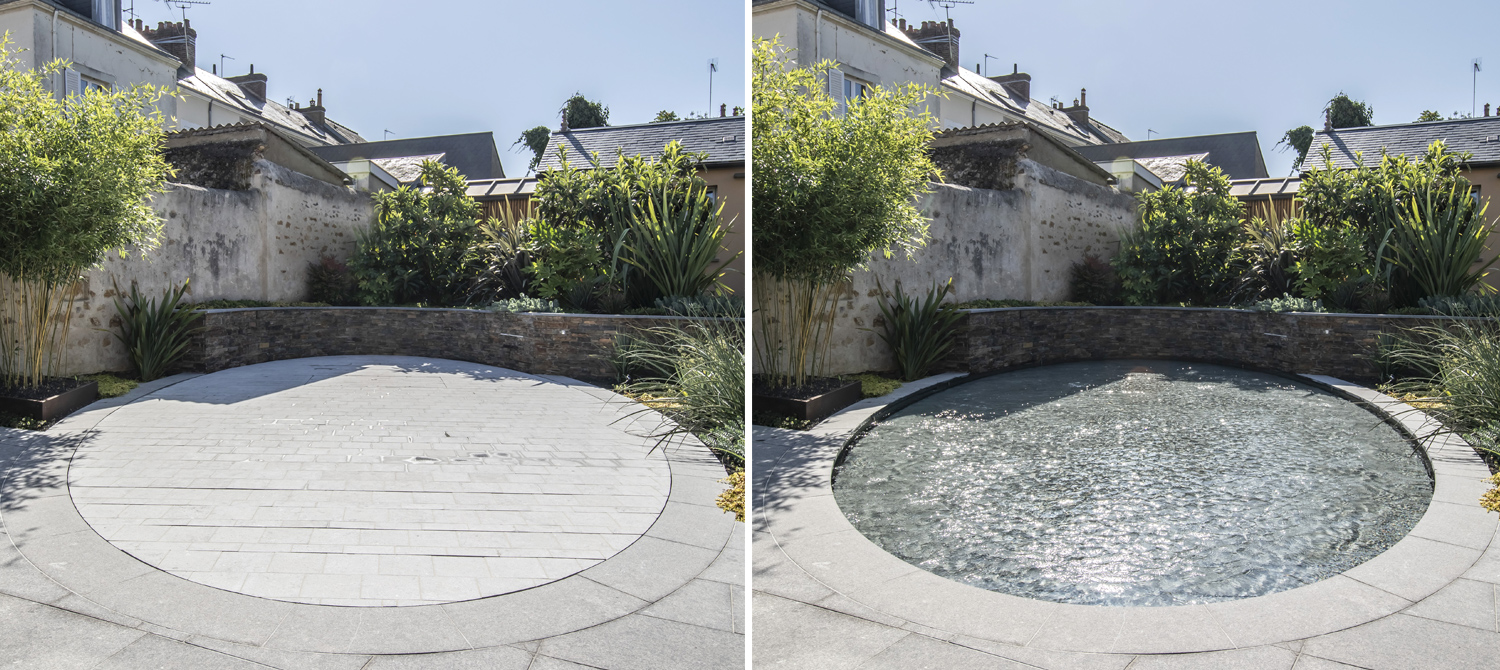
<point x="1061" y="157"/>
<point x="473" y="154"/>
<point x="1170" y="169"/>
<point x="286" y="119"/>
<point x="1480" y="137"/>
<point x="1274" y="187"/>
<point x="1037" y="112"/>
<point x="502" y="189"/>
<point x="722" y="138"/>
<point x="207" y="156"/>
<point x="1237" y="154"/>
<point x="407" y="169"/>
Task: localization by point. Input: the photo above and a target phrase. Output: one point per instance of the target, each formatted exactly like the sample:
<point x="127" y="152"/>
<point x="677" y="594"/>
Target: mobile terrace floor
<point x="365" y="512"/>
<point x="825" y="597"/>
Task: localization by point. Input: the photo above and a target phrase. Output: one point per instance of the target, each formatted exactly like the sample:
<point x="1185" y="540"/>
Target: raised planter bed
<point x="823" y="400"/>
<point x="55" y="401"/>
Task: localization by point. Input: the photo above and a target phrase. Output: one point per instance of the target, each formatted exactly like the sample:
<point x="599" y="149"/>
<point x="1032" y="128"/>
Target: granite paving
<point x="824" y="597"/>
<point x="372" y="511"/>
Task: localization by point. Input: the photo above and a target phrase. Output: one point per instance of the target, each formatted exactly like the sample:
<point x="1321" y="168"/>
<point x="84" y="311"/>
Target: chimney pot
<point x="1486" y="109"/>
<point x="1083" y="97"/>
<point x="723" y="110"/>
<point x="939" y="37"/>
<point x="320" y="97"/>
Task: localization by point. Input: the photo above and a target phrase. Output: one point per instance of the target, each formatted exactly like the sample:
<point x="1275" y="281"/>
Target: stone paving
<point x="353" y="512"/>
<point x="825" y="597"/>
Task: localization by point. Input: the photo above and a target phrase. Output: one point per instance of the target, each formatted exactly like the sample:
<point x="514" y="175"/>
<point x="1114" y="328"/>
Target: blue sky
<point x="1191" y="68"/>
<point x="456" y="66"/>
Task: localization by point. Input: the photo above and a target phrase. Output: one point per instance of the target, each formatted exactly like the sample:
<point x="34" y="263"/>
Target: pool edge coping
<point x="798" y="509"/>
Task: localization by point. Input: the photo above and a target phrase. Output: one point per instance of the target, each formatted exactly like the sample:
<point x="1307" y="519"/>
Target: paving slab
<point x="441" y="533"/>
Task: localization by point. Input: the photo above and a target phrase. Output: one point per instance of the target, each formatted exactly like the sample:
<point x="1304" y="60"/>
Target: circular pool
<point x="1143" y="483"/>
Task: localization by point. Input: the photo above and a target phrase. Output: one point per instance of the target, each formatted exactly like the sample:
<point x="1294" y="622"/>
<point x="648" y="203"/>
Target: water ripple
<point x="1134" y="483"/>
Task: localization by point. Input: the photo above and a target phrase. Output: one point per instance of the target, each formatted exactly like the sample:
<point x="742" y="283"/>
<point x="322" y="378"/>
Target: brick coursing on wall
<point x="1338" y="345"/>
<point x="570" y="345"/>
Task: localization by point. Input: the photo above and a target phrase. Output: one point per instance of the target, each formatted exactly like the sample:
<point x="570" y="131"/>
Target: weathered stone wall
<point x="250" y="244"/>
<point x="572" y="345"/>
<point x="1003" y="244"/>
<point x="1340" y="345"/>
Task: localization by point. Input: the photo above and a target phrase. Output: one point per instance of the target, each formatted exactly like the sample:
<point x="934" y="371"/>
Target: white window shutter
<point x="836" y="89"/>
<point x="72" y="83"/>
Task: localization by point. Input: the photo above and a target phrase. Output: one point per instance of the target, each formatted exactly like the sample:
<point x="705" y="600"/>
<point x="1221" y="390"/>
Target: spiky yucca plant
<point x="921" y="332"/>
<point x="156" y="334"/>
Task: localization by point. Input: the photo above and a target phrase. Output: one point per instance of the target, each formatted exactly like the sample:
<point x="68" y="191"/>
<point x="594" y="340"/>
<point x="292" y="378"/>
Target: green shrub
<point x="417" y="249"/>
<point x="501" y="256"/>
<point x="733" y="500"/>
<point x="156" y="334"/>
<point x="112" y="386"/>
<point x="329" y="281"/>
<point x="1181" y="251"/>
<point x="872" y="385"/>
<point x="1289" y="305"/>
<point x="675" y="236"/>
<point x="921" y="332"/>
<point x="1437" y="239"/>
<point x="1457" y="364"/>
<point x="1467" y="304"/>
<point x="1093" y="280"/>
<point x="524" y="304"/>
<point x="1265" y="257"/>
<point x="721" y="306"/>
<point x="1327" y="257"/>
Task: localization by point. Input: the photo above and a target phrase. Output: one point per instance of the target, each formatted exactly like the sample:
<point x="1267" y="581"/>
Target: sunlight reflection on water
<point x="1133" y="483"/>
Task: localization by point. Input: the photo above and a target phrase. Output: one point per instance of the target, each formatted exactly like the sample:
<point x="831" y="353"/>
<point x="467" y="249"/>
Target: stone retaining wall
<point x="1338" y="345"/>
<point x="572" y="345"/>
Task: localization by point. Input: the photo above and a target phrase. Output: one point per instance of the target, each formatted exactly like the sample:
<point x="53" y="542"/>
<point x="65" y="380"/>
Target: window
<point x="868" y="13"/>
<point x="107" y="13"/>
<point x="87" y="84"/>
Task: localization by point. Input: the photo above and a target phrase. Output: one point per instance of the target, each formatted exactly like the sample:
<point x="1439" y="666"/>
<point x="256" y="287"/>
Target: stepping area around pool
<point x="366" y="512"/>
<point x="1428" y="602"/>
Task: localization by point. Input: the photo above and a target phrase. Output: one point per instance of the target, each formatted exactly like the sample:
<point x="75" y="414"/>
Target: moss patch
<point x="111" y="386"/>
<point x="874" y="384"/>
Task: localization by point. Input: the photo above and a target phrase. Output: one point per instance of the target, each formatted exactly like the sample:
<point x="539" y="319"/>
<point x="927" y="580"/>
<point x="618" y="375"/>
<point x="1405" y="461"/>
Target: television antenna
<point x="223" y="72"/>
<point x="987" y="59"/>
<point x="894" y="11"/>
<point x="184" y="5"/>
<point x="1474" y="91"/>
<point x="948" y="6"/>
<point x="1148" y="133"/>
<point x="713" y="66"/>
<point x="388" y="134"/>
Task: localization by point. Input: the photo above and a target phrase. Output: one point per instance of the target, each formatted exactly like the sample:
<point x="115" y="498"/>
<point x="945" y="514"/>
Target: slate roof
<point x="286" y="119"/>
<point x="722" y="138"/>
<point x="407" y="169"/>
<point x="1171" y="169"/>
<point x="1237" y="154"/>
<point x="474" y="154"/>
<point x="1480" y="137"/>
<point x="1038" y="112"/>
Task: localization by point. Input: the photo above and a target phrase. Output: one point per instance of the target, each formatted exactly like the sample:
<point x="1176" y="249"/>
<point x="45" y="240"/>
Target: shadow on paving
<point x="33" y="464"/>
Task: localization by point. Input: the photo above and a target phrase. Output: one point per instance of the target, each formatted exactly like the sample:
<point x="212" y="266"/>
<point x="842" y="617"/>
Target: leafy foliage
<point x="156" y="333"/>
<point x="1093" y="280"/>
<point x="1328" y="257"/>
<point x="1437" y="239"/>
<point x="664" y="116"/>
<point x="1299" y="138"/>
<point x="675" y="239"/>
<point x="1346" y="113"/>
<point x="987" y="303"/>
<point x="1458" y="366"/>
<point x="502" y="255"/>
<point x="416" y="250"/>
<point x="829" y="190"/>
<point x="733" y="499"/>
<point x="535" y="139"/>
<point x="580" y="112"/>
<point x="1181" y="252"/>
<point x="330" y="281"/>
<point x="919" y="332"/>
<point x="1428" y="115"/>
<point x="1467" y="304"/>
<point x="524" y="304"/>
<point x="699" y="381"/>
<point x="719" y="306"/>
<point x="76" y="175"/>
<point x="872" y="385"/>
<point x="1265" y="257"/>
<point x="1289" y="305"/>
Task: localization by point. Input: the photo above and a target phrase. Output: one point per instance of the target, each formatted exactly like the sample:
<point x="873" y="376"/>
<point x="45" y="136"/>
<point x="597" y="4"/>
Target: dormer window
<point x="104" y="12"/>
<point x="868" y="13"/>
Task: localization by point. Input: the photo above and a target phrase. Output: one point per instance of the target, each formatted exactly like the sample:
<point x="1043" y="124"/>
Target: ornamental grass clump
<point x="918" y="331"/>
<point x="76" y="176"/>
<point x="155" y="332"/>
<point x="695" y="374"/>
<point x="1455" y="368"/>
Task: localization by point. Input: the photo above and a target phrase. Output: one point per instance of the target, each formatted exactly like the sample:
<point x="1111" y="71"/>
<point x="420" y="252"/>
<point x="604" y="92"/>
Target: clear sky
<point x="1200" y="67"/>
<point x="440" y="67"/>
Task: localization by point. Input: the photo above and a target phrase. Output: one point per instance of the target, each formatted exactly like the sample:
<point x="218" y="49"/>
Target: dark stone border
<point x="571" y="345"/>
<point x="1339" y="345"/>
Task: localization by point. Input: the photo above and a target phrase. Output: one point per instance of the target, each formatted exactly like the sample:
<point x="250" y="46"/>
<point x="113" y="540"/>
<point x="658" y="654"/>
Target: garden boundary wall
<point x="1018" y="243"/>
<point x="1338" y="345"/>
<point x="571" y="345"/>
<point x="250" y="244"/>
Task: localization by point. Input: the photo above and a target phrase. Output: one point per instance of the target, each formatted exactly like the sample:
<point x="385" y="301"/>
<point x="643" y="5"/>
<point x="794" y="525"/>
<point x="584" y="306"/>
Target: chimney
<point x="178" y="39"/>
<point x="1017" y="82"/>
<point x="724" y="110"/>
<point x="315" y="113"/>
<point x="1079" y="112"/>
<point x="938" y="37"/>
<point x="253" y="84"/>
<point x="1486" y="109"/>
